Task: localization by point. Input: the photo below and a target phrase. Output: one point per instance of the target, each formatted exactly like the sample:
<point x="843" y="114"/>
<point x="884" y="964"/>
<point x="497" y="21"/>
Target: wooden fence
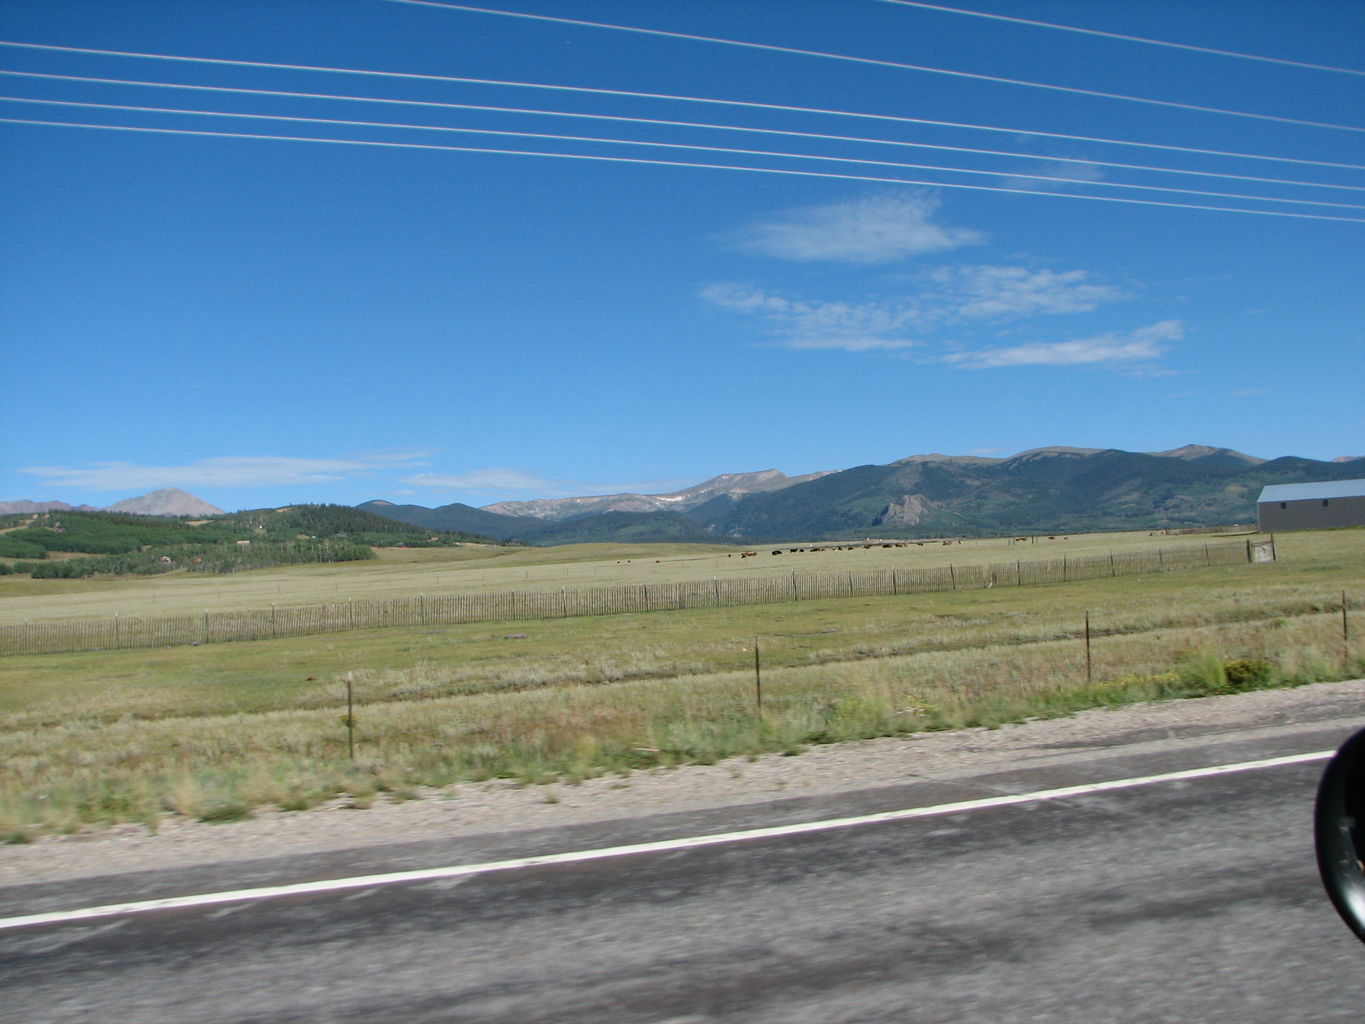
<point x="72" y="635"/>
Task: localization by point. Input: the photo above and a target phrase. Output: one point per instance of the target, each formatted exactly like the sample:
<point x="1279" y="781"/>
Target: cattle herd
<point x="848" y="547"/>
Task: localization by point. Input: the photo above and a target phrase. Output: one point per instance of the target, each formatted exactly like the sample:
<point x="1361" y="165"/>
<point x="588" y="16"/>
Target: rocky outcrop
<point x="908" y="510"/>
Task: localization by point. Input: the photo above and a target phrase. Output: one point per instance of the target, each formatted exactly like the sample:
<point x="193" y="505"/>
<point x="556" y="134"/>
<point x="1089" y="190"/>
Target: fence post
<point x="758" y="678"/>
<point x="116" y="631"/>
<point x="796" y="595"/>
<point x="952" y="575"/>
<point x="1345" y="637"/>
<point x="350" y="717"/>
<point x="1089" y="672"/>
<point x="206" y="625"/>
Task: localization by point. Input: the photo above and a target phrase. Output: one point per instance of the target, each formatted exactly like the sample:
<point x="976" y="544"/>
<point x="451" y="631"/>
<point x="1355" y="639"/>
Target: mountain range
<point x="1044" y="490"/>
<point x="728" y="485"/>
<point x="169" y="501"/>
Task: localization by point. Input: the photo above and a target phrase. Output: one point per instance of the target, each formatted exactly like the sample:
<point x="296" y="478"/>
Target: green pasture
<point x="218" y="730"/>
<point x="408" y="572"/>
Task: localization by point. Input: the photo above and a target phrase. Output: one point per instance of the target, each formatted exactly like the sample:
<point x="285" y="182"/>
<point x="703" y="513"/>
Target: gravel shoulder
<point x="502" y="806"/>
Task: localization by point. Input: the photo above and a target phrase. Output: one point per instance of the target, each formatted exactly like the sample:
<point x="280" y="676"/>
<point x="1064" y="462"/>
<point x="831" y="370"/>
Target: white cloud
<point x="849" y="343"/>
<point x="952" y="295"/>
<point x="1122" y="347"/>
<point x="1001" y="292"/>
<point x="225" y="471"/>
<point x="889" y="227"/>
<point x="879" y="229"/>
<point x="499" y="480"/>
<point x="851" y="327"/>
<point x="505" y="484"/>
<point x="1046" y="176"/>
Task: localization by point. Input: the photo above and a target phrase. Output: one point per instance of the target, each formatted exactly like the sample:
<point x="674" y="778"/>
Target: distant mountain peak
<point x="168" y="501"/>
<point x="1057" y="449"/>
<point x="960" y="460"/>
<point x="1190" y="452"/>
<point x="732" y="485"/>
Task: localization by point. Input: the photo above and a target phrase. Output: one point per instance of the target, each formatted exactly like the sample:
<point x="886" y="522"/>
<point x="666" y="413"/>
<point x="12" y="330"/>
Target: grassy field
<point x="408" y="572"/>
<point x="215" y="731"/>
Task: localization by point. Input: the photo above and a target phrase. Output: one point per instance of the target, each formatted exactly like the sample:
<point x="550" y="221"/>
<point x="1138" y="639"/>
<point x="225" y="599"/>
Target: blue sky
<point x="387" y="311"/>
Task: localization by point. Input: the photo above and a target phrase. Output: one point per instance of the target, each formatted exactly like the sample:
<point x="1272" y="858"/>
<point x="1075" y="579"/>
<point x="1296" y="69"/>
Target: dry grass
<point x="214" y="732"/>
<point x="402" y="572"/>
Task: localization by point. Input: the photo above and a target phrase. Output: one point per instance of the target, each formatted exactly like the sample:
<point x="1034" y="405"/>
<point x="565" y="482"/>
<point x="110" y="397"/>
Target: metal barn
<point x="1317" y="506"/>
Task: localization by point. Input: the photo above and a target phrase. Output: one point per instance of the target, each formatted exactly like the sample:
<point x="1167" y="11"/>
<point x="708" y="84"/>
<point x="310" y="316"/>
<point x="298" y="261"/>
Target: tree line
<point x="113" y="544"/>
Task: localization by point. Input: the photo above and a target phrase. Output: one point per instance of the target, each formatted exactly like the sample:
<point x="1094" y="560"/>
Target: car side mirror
<point x="1339" y="832"/>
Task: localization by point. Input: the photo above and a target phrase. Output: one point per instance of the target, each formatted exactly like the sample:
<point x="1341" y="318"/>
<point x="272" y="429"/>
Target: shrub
<point x="1247" y="673"/>
<point x="1202" y="671"/>
<point x="227" y="811"/>
<point x="19" y="547"/>
<point x="1207" y="672"/>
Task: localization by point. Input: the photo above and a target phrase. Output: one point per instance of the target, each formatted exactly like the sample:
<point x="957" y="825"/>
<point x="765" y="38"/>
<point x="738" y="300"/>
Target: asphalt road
<point x="1192" y="900"/>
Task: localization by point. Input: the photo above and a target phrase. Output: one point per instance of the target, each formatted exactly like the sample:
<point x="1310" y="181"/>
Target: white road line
<point x="660" y="846"/>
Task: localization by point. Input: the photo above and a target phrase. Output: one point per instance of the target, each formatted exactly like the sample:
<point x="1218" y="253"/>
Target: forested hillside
<point x="641" y="527"/>
<point x="1047" y="490"/>
<point x="110" y="543"/>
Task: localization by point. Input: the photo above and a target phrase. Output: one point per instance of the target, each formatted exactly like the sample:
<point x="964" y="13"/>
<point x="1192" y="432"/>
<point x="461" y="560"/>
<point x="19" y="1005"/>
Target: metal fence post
<point x="1345" y="637"/>
<point x="758" y="678"/>
<point x="1089" y="672"/>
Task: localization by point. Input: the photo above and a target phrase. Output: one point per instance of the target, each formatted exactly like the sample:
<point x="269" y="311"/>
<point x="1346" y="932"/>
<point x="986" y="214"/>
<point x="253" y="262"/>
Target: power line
<point x="661" y="122"/>
<point x="1214" y="51"/>
<point x="632" y="94"/>
<point x="975" y="76"/>
<point x="690" y="147"/>
<point x="598" y="158"/>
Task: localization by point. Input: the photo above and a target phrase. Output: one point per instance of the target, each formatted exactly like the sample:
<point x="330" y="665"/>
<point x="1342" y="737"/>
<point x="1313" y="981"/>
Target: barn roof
<point x="1310" y="492"/>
